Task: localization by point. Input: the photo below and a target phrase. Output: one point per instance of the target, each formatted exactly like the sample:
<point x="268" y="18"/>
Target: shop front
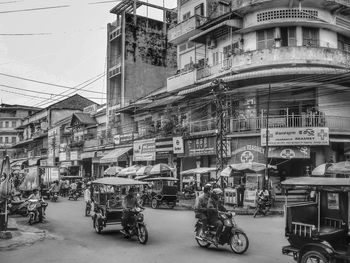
<point x="117" y="157"/>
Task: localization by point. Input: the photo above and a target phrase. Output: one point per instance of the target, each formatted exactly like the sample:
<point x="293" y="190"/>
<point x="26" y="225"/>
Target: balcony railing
<point x="181" y="80"/>
<point x="255" y="124"/>
<point x="274" y="57"/>
<point x="185" y="29"/>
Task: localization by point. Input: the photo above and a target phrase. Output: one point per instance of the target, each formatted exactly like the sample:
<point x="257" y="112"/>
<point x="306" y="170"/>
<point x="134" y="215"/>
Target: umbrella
<point x="161" y="168"/>
<point x="250" y="167"/>
<point x="144" y="170"/>
<point x="199" y="170"/>
<point x="112" y="171"/>
<point x="332" y="168"/>
<point x="129" y="171"/>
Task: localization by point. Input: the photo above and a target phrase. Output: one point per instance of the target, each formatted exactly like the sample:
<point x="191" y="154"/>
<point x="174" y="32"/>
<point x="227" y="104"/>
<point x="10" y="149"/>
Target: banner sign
<point x="123" y="138"/>
<point x="145" y="150"/>
<point x="178" y="145"/>
<point x="201" y="146"/>
<point x="248" y="153"/>
<point x="296" y="136"/>
<point x="293" y="152"/>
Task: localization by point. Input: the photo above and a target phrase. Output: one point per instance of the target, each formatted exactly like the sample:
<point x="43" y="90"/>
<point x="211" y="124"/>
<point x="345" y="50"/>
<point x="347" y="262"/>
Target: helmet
<point x="207" y="188"/>
<point x="216" y="192"/>
<point x="88" y="183"/>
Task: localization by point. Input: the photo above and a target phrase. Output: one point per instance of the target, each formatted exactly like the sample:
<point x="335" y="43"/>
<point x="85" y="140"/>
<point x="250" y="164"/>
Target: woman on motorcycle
<point x="214" y="206"/>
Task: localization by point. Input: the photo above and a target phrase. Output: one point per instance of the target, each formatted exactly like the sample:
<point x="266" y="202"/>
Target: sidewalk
<point x="189" y="204"/>
<point x="22" y="235"/>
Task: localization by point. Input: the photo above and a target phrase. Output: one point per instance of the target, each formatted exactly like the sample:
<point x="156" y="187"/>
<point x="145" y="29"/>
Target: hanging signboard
<point x="178" y="145"/>
<point x="296" y="136"/>
<point x="145" y="150"/>
<point x="292" y="152"/>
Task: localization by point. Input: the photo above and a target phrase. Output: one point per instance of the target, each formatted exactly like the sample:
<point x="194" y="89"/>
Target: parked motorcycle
<point x="145" y="199"/>
<point x="36" y="210"/>
<point x="189" y="194"/>
<point x="263" y="206"/>
<point x="230" y="234"/>
<point x="136" y="226"/>
<point x="18" y="207"/>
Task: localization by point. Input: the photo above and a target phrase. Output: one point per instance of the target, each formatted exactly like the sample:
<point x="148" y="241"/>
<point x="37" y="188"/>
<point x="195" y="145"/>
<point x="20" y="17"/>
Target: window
<point x="215" y="58"/>
<point x="7" y="124"/>
<point x="230" y="50"/>
<point x="311" y="37"/>
<point x="13" y="124"/>
<point x="343" y="44"/>
<point x="222" y="9"/>
<point x="186" y="16"/>
<point x="1" y="124"/>
<point x="288" y="36"/>
<point x="13" y="139"/>
<point x="1" y="140"/>
<point x="6" y="139"/>
<point x="265" y="38"/>
<point x="199" y="10"/>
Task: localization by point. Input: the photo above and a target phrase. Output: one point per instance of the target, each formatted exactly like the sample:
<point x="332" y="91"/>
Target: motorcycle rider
<point x="54" y="188"/>
<point x="214" y="206"/>
<point x="87" y="194"/>
<point x="129" y="203"/>
<point x="200" y="207"/>
<point x="36" y="196"/>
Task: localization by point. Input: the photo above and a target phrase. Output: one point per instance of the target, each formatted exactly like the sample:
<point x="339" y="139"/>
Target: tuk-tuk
<point x="107" y="196"/>
<point x="162" y="191"/>
<point x="318" y="230"/>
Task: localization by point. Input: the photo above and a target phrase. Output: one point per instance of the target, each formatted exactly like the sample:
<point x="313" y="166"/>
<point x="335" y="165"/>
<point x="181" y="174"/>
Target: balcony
<point x="181" y="80"/>
<point x="202" y="127"/>
<point x="115" y="33"/>
<point x="276" y="57"/>
<point x="114" y="71"/>
<point x="253" y="125"/>
<point x="186" y="29"/>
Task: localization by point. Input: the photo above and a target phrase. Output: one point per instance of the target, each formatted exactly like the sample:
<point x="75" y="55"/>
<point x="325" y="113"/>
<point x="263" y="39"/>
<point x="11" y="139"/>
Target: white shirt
<point x="87" y="195"/>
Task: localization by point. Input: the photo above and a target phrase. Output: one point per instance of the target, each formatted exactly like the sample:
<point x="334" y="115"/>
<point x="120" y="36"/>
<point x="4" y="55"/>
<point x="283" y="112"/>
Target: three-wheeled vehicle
<point x="163" y="191"/>
<point x="107" y="205"/>
<point x="318" y="231"/>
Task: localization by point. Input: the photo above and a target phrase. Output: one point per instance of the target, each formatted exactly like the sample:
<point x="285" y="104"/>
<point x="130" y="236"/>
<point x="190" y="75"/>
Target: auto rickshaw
<point x="318" y="230"/>
<point x="162" y="191"/>
<point x="107" y="205"/>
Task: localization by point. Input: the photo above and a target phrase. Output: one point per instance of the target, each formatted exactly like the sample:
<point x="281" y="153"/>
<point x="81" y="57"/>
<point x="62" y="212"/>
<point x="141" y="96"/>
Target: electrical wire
<point x="34" y="9"/>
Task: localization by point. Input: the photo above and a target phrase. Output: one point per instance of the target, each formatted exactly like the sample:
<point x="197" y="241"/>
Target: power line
<point x="25" y="95"/>
<point x="48" y="83"/>
<point x="34" y="9"/>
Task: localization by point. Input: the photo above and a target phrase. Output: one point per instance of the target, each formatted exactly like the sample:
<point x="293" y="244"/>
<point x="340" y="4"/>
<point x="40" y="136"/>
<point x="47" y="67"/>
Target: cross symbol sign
<point x="247" y="157"/>
<point x="322" y="134"/>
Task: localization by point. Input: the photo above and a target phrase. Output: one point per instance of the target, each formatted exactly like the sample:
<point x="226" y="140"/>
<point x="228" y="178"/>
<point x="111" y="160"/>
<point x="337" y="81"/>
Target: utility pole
<point x="267" y="141"/>
<point x="221" y="143"/>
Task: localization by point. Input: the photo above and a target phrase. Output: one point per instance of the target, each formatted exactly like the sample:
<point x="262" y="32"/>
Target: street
<point x="171" y="239"/>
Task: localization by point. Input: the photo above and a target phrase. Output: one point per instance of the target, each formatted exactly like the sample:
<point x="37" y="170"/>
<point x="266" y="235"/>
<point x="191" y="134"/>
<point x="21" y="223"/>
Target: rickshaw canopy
<point x="317" y="182"/>
<point x="117" y="181"/>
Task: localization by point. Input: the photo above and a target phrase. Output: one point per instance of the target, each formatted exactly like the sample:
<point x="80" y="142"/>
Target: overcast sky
<point x="67" y="47"/>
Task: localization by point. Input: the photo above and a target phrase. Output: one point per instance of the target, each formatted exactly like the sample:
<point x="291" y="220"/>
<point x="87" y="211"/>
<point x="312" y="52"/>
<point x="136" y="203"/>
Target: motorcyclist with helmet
<point x="201" y="204"/>
<point x="214" y="206"/>
<point x="129" y="203"/>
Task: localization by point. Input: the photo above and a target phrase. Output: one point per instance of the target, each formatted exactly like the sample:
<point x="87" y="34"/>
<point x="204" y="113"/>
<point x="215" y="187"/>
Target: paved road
<point x="170" y="240"/>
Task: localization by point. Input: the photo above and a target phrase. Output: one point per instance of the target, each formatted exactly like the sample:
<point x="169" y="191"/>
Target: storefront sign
<point x="247" y="153"/>
<point x="124" y="138"/>
<point x="178" y="145"/>
<point x="293" y="152"/>
<point x="200" y="146"/>
<point x="145" y="150"/>
<point x="92" y="109"/>
<point x="296" y="136"/>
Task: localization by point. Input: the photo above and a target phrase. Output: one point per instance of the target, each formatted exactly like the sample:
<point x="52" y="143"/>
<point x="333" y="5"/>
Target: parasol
<point x="247" y="167"/>
<point x="112" y="171"/>
<point x="199" y="170"/>
<point x="160" y="168"/>
<point x="332" y="168"/>
<point x="129" y="171"/>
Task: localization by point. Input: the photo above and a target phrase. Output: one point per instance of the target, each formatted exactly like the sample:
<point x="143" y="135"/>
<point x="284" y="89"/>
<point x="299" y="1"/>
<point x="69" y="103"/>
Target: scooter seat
<point x="17" y="202"/>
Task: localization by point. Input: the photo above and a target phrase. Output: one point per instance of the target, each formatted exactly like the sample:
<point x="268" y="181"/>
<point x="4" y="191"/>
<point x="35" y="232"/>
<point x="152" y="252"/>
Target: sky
<point x="64" y="45"/>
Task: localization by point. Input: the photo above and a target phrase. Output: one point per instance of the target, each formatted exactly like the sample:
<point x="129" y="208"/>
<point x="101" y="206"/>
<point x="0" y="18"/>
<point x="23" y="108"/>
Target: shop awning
<point x="163" y="101"/>
<point x="18" y="162"/>
<point x="112" y="157"/>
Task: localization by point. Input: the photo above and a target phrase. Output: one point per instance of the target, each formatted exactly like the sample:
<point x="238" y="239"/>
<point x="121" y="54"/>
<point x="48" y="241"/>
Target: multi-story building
<point x="284" y="65"/>
<point x="10" y="118"/>
<point x="38" y="138"/>
<point x="139" y="58"/>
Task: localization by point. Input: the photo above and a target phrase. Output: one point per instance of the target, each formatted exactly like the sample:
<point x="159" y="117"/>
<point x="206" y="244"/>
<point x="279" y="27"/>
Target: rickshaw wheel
<point x="142" y="234"/>
<point x="313" y="256"/>
<point x="154" y="203"/>
<point x="97" y="226"/>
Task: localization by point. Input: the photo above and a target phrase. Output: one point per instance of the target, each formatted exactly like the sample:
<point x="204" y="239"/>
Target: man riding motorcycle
<point x="129" y="203"/>
<point x="214" y="206"/>
<point x="54" y="188"/>
<point x="36" y="196"/>
<point x="200" y="207"/>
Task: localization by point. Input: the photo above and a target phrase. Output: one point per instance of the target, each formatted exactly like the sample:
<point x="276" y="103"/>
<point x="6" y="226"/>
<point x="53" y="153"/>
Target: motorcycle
<point x="54" y="196"/>
<point x="144" y="199"/>
<point x="18" y="207"/>
<point x="189" y="194"/>
<point x="36" y="210"/>
<point x="73" y="195"/>
<point x="136" y="226"/>
<point x="230" y="234"/>
<point x="263" y="206"/>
